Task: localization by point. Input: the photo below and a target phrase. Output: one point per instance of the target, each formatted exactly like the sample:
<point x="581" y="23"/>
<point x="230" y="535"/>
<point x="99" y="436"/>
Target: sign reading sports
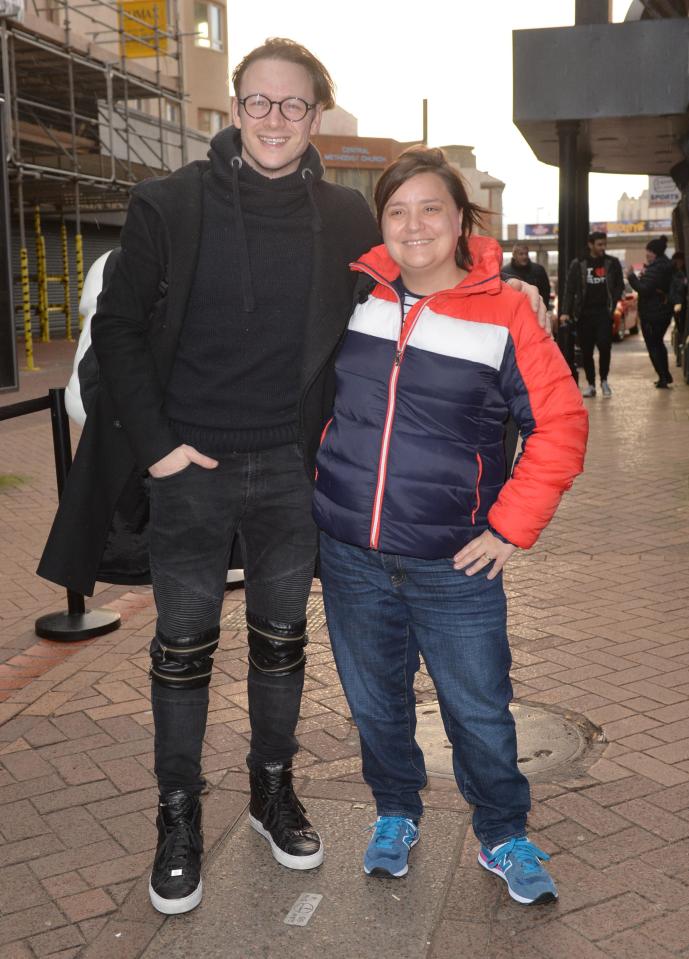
<point x="140" y="20"/>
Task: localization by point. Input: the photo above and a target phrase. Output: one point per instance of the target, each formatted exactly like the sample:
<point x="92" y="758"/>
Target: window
<point x="171" y="112"/>
<point x="208" y="26"/>
<point x="212" y="121"/>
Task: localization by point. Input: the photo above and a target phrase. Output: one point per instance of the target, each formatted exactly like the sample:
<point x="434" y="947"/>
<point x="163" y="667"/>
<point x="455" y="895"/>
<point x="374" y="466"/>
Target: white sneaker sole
<point x="175" y="907"/>
<point x="284" y="858"/>
<point x="546" y="897"/>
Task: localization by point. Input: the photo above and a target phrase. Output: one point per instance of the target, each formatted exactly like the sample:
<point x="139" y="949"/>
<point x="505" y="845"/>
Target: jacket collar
<point x="484" y="276"/>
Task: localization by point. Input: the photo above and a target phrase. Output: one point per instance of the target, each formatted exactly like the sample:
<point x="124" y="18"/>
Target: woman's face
<point x="421" y="226"/>
<point x="650" y="257"/>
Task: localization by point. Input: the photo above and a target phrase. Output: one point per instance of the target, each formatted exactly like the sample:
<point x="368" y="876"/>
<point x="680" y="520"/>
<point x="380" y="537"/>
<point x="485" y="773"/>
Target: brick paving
<point x="599" y="628"/>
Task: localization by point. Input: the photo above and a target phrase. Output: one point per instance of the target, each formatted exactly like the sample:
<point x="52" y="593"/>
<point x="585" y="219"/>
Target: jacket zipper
<point x="188" y="649"/>
<point x="374" y="536"/>
<point x="477" y="500"/>
<point x="320" y="443"/>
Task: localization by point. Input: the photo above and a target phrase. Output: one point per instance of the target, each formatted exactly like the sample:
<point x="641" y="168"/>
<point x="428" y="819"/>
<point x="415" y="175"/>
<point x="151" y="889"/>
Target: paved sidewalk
<point x="599" y="628"/>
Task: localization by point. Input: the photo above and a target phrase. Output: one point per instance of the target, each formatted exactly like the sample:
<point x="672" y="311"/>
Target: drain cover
<point x="544" y="740"/>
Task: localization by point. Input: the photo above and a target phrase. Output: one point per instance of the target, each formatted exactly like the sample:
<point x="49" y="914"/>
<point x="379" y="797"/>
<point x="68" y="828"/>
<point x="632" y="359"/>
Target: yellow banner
<point x="140" y="38"/>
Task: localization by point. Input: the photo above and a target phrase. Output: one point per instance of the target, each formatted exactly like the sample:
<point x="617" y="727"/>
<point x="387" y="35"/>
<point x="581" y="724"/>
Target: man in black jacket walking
<point x="594" y="285"/>
<point x="522" y="267"/>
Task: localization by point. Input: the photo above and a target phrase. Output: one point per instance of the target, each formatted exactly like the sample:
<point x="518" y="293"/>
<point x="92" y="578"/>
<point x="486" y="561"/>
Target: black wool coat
<point x="100" y="530"/>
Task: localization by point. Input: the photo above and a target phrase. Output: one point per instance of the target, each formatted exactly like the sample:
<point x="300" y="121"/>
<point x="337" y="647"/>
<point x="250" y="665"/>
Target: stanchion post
<point x="77" y="623"/>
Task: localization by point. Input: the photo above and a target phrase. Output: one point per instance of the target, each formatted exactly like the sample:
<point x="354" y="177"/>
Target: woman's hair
<point x="657" y="245"/>
<point x="421" y="159"/>
<point x="279" y="48"/>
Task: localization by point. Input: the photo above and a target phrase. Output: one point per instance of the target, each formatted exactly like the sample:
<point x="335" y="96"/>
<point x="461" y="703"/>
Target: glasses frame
<point x="307" y="106"/>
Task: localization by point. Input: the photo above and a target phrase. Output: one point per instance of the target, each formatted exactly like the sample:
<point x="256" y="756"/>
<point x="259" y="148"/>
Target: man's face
<point x="597" y="247"/>
<point x="520" y="255"/>
<point x="273" y="145"/>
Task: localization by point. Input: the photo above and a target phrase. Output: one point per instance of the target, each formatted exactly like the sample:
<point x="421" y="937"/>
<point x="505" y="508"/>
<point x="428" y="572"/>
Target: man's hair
<point x="421" y="159"/>
<point x="597" y="235"/>
<point x="279" y="48"/>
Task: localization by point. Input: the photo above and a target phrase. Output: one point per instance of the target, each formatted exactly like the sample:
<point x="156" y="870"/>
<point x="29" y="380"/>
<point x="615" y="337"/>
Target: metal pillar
<point x="570" y="186"/>
<point x="8" y="347"/>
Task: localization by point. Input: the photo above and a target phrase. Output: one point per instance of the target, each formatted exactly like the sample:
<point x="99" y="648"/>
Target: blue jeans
<point x="383" y="611"/>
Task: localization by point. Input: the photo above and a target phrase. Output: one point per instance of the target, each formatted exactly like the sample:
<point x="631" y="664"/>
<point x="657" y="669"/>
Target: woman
<point x="655" y="309"/>
<point x="417" y="520"/>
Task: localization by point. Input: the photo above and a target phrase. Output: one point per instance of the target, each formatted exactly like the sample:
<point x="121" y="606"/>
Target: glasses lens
<point x="294" y="108"/>
<point x="257" y="106"/>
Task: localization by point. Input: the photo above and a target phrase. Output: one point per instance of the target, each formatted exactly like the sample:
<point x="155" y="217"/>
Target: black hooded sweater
<point x="235" y="380"/>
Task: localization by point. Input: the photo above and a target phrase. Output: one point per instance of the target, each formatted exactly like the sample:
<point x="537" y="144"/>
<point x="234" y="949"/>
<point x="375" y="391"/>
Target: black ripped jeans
<point x="264" y="498"/>
<point x="595" y="329"/>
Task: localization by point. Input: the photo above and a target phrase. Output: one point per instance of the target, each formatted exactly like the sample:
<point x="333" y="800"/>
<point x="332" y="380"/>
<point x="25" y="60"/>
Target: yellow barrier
<point x="41" y="278"/>
<point x="65" y="283"/>
<point x="79" y="255"/>
<point x="26" y="308"/>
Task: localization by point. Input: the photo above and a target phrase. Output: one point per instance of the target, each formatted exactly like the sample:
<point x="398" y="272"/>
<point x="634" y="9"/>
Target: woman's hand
<point x="482" y="551"/>
<point x="535" y="301"/>
<point x="178" y="460"/>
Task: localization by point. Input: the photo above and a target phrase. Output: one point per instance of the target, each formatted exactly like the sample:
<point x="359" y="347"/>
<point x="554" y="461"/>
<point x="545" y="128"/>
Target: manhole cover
<point x="544" y="740"/>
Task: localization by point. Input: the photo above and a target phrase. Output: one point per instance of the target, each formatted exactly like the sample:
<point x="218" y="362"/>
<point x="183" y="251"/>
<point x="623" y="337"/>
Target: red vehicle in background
<point x="625" y="317"/>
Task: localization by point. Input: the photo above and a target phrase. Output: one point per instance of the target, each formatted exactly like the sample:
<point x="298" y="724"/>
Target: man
<point x="215" y="337"/>
<point x="522" y="267"/>
<point x="594" y="285"/>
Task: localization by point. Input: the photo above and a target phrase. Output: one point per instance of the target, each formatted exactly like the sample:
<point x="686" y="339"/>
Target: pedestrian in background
<point x="594" y="285"/>
<point x="655" y="308"/>
<point x="678" y="302"/>
<point x="522" y="267"/>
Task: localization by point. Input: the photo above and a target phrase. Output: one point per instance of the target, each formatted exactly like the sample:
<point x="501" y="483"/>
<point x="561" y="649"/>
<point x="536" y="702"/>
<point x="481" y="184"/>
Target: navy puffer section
<point x="447" y="433"/>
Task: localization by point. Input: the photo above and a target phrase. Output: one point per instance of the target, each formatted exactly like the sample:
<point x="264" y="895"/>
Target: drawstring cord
<point x="316" y="222"/>
<point x="244" y="264"/>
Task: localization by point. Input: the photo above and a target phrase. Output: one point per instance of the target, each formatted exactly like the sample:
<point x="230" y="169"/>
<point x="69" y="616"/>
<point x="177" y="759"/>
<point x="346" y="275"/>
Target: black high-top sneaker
<point x="276" y="813"/>
<point x="175" y="885"/>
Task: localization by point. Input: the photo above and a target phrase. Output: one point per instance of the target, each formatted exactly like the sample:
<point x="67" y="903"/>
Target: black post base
<point x="70" y="627"/>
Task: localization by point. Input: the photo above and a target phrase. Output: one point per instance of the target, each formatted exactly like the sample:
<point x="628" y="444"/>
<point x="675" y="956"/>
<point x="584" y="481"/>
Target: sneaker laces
<point x="524" y="852"/>
<point x="284" y="809"/>
<point x="181" y="837"/>
<point x="386" y="830"/>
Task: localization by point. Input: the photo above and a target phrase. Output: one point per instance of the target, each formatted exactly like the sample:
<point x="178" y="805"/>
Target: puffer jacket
<point x="412" y="461"/>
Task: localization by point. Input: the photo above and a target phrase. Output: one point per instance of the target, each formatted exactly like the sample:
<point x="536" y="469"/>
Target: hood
<point x="247" y="188"/>
<point x="484" y="276"/>
<point x="227" y="145"/>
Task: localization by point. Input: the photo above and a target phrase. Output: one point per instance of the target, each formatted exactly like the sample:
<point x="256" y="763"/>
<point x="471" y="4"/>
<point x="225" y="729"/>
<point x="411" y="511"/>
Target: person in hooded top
<point x="416" y="518"/>
<point x="214" y="336"/>
<point x="655" y="306"/>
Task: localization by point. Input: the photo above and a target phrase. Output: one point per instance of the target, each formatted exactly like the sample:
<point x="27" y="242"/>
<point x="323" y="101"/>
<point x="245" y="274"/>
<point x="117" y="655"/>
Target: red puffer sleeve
<point x="545" y="401"/>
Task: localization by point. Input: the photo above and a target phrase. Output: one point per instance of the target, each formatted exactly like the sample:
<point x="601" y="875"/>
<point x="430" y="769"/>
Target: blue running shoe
<point x="388" y="850"/>
<point x="518" y="862"/>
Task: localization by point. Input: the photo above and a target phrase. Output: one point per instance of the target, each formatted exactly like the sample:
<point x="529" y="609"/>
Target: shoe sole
<point x="284" y="858"/>
<point x="379" y="872"/>
<point x="544" y="897"/>
<point x="175" y="907"/>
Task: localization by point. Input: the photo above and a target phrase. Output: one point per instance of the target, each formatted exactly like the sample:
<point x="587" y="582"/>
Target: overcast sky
<point x="387" y="55"/>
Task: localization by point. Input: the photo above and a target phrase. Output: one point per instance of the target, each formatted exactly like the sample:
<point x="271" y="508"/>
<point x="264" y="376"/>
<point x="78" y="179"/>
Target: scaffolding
<point x="86" y="117"/>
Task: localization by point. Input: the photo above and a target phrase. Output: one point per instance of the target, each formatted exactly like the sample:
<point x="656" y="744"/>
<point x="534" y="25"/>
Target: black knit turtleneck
<point x="236" y="377"/>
